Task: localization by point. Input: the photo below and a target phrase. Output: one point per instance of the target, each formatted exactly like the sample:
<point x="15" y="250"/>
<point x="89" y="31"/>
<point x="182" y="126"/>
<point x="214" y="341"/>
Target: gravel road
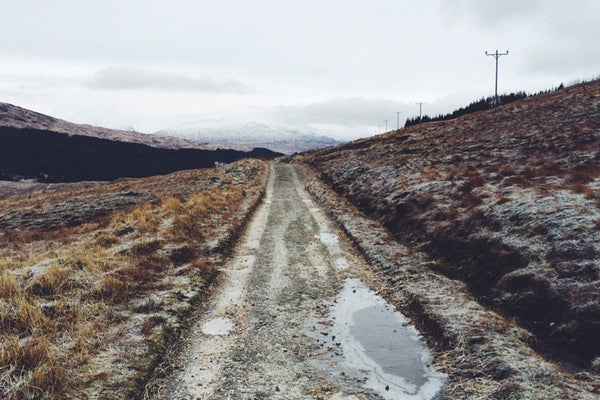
<point x="256" y="340"/>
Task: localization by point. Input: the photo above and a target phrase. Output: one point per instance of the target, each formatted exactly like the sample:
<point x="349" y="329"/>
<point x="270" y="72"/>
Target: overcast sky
<point x="336" y="67"/>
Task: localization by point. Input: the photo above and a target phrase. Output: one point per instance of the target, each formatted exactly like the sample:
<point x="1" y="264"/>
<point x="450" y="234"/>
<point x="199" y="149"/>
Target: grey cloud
<point x="342" y="111"/>
<point x="491" y="13"/>
<point x="120" y="78"/>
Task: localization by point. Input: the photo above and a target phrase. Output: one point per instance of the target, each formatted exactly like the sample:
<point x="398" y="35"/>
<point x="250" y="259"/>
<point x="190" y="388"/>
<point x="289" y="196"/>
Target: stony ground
<point x="281" y="277"/>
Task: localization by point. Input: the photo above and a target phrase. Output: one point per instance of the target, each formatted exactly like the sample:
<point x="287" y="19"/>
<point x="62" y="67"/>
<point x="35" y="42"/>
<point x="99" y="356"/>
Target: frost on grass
<point x="506" y="202"/>
<point x="95" y="280"/>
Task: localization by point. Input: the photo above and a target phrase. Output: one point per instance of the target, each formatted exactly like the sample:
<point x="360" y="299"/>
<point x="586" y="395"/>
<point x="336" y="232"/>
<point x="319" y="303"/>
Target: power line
<point x="386" y="125"/>
<point x="397" y="120"/>
<point x="420" y="103"/>
<point x="496" y="55"/>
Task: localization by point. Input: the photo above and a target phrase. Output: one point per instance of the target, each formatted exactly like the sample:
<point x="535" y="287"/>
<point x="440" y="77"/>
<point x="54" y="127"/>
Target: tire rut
<point x="281" y="276"/>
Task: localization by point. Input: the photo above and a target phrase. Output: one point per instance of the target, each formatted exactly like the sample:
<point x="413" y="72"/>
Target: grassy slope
<point x="507" y="202"/>
<point x="95" y="280"/>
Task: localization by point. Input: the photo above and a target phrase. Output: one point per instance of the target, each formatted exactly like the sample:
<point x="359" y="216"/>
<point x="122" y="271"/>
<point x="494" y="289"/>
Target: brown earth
<point x="505" y="201"/>
<point x="97" y="280"/>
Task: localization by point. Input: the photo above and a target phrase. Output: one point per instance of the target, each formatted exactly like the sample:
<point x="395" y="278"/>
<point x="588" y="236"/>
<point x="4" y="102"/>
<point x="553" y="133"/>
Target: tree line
<point x="483" y="104"/>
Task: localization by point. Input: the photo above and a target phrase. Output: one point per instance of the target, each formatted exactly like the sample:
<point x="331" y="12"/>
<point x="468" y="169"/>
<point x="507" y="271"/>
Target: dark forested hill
<point x="56" y="157"/>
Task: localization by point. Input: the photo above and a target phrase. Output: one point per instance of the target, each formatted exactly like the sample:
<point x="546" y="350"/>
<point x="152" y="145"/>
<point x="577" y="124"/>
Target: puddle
<point x="341" y="263"/>
<point x="217" y="326"/>
<point x="327" y="238"/>
<point x="377" y="344"/>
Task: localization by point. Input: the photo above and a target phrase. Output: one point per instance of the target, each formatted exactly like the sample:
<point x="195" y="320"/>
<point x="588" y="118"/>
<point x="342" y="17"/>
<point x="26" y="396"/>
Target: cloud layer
<point x="124" y="78"/>
<point x="328" y="64"/>
<point x="342" y="111"/>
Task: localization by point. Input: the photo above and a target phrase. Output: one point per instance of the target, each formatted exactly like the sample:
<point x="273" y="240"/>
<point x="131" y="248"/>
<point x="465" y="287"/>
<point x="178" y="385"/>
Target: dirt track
<point x="281" y="277"/>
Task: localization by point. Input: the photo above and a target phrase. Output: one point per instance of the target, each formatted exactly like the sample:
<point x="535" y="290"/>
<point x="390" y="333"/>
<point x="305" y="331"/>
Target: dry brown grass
<point x="584" y="173"/>
<point x="68" y="296"/>
<point x="523" y="184"/>
<point x="9" y="286"/>
<point x="53" y="281"/>
<point x="585" y="190"/>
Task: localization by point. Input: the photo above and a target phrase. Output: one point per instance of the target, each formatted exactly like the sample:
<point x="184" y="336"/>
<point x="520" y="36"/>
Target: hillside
<point x="20" y="118"/>
<point x="97" y="280"/>
<point x="507" y="202"/>
<point x="40" y="147"/>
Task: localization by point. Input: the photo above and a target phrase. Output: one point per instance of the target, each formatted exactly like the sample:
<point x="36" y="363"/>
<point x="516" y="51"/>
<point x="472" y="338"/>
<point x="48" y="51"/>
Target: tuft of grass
<point x="145" y="248"/>
<point x="584" y="173"/>
<point x="474" y="179"/>
<point x="48" y="376"/>
<point x="202" y="270"/>
<point x="21" y="314"/>
<point x="9" y="287"/>
<point x="173" y="205"/>
<point x="585" y="190"/>
<point x="112" y="289"/>
<point x="51" y="282"/>
<point x="182" y="254"/>
<point x="518" y="180"/>
<point x="146" y="219"/>
<point x="106" y="239"/>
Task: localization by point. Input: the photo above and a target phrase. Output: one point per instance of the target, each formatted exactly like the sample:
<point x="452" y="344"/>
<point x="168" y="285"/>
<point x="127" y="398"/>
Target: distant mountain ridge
<point x="12" y="116"/>
<point x="250" y="134"/>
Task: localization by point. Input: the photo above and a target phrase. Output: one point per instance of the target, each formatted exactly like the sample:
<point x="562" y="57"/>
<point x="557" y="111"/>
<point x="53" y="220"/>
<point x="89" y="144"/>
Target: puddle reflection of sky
<point x="377" y="339"/>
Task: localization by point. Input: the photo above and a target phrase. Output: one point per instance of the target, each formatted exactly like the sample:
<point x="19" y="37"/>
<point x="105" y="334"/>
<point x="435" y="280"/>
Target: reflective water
<point x="328" y="238"/>
<point x="341" y="263"/>
<point x="377" y="340"/>
<point x="217" y="326"/>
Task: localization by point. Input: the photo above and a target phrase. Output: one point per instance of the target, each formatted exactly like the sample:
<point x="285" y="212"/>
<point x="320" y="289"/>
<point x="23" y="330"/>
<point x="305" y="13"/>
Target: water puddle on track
<point x="374" y="345"/>
<point x="341" y="263"/>
<point x="217" y="326"/>
<point x="328" y="238"/>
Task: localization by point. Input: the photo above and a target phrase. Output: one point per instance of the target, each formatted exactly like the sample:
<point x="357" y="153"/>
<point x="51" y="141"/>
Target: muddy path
<point x="268" y="331"/>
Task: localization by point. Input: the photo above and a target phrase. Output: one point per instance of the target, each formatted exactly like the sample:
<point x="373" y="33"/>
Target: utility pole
<point x="420" y="103"/>
<point x="386" y="125"/>
<point x="496" y="55"/>
<point x="397" y="120"/>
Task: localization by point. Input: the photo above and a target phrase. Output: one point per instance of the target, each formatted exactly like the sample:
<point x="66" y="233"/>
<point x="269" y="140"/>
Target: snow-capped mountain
<point x="250" y="135"/>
